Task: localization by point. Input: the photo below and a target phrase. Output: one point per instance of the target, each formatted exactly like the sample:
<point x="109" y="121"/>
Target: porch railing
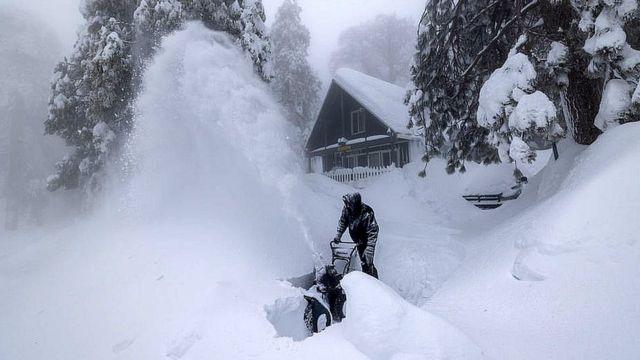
<point x="358" y="173"/>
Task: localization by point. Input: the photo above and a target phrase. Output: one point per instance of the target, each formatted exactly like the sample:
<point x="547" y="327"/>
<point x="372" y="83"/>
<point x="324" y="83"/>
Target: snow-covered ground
<point x="576" y="253"/>
<point x="183" y="258"/>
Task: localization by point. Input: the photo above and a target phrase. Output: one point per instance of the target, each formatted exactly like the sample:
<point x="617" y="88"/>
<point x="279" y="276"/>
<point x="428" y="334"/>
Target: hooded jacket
<point x="360" y="220"/>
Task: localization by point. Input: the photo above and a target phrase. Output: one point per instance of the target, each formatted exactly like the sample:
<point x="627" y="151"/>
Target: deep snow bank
<point x="383" y="325"/>
<point x="576" y="253"/>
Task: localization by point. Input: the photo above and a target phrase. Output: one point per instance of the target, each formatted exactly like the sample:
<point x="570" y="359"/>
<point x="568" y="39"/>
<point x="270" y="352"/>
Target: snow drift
<point x="384" y="326"/>
<point x="576" y="255"/>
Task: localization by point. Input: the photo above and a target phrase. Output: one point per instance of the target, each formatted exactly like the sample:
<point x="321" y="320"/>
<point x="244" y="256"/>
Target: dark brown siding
<point x="334" y="120"/>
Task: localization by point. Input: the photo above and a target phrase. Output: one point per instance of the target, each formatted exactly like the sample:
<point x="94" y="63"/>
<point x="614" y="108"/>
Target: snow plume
<point x="210" y="144"/>
<point x="186" y="253"/>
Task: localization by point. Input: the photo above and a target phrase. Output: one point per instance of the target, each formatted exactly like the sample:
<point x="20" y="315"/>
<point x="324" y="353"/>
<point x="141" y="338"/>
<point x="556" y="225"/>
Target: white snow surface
<point x="505" y="84"/>
<point x="616" y="99"/>
<point x="576" y="252"/>
<point x="557" y="54"/>
<point x="533" y="110"/>
<point x="608" y="33"/>
<point x="383" y="99"/>
<point x="383" y="325"/>
<point x="183" y="261"/>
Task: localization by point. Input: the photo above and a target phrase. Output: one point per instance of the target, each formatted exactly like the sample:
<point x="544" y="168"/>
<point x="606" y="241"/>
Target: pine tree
<point x="247" y="19"/>
<point x="295" y="83"/>
<point x="459" y="42"/>
<point x="93" y="89"/>
<point x="244" y="20"/>
<point x="90" y="93"/>
<point x="612" y="58"/>
<point x="154" y="19"/>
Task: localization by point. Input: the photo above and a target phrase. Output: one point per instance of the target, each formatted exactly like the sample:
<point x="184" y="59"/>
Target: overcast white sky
<point x="324" y="18"/>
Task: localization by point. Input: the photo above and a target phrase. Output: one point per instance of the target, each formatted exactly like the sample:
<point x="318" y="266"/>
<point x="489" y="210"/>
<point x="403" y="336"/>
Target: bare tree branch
<point x="492" y="42"/>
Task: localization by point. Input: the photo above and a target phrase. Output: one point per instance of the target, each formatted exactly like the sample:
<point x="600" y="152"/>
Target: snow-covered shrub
<point x="520" y="119"/>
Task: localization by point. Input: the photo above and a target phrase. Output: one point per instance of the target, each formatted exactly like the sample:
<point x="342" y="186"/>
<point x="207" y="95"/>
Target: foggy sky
<point x="62" y="16"/>
<point x="324" y="18"/>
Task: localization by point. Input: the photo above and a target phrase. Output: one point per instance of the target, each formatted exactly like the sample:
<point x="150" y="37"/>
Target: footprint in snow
<point x="522" y="272"/>
<point x="183" y="345"/>
<point x="122" y="345"/>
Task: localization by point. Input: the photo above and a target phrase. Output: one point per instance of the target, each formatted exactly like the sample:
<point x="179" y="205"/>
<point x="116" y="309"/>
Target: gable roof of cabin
<point x="382" y="99"/>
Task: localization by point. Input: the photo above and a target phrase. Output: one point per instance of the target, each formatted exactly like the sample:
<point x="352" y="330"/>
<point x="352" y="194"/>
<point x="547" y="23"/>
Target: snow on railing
<point x="358" y="173"/>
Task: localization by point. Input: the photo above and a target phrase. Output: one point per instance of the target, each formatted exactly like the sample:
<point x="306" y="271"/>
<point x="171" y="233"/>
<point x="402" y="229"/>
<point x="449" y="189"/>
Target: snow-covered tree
<point x="91" y="93"/>
<point x="520" y="118"/>
<point x="381" y="48"/>
<point x="458" y="44"/>
<point x="248" y="19"/>
<point x="294" y="82"/>
<point x="93" y="89"/>
<point x="612" y="58"/>
<point x="154" y="19"/>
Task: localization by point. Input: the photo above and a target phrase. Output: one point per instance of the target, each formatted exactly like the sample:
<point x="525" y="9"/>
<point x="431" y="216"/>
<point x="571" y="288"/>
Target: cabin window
<point x="357" y="122"/>
<point x="328" y="162"/>
<point x="351" y="161"/>
<point x="374" y="159"/>
<point x="362" y="160"/>
<point x="403" y="157"/>
<point x="380" y="158"/>
<point x="338" y="160"/>
<point x="386" y="158"/>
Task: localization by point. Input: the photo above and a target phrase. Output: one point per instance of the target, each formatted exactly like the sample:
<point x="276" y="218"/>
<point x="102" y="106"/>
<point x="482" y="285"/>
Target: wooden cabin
<point x="362" y="124"/>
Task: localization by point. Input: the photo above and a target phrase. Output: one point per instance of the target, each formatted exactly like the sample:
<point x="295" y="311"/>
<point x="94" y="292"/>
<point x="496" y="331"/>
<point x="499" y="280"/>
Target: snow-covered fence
<point x="358" y="173"/>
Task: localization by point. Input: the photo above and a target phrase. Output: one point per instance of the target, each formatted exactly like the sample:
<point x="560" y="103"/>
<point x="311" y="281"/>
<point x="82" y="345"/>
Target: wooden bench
<point x="491" y="201"/>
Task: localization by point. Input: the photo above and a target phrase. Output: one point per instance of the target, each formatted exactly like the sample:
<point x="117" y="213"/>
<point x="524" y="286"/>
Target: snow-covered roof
<point x="384" y="100"/>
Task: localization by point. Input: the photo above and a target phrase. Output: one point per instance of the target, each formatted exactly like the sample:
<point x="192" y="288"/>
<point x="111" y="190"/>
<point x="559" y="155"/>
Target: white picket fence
<point x="358" y="173"/>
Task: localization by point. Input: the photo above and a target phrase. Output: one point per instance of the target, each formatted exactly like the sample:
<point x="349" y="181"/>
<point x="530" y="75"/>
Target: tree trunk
<point x="583" y="97"/>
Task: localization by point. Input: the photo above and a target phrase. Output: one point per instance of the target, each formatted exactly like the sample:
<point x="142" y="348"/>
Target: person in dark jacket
<point x="363" y="229"/>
